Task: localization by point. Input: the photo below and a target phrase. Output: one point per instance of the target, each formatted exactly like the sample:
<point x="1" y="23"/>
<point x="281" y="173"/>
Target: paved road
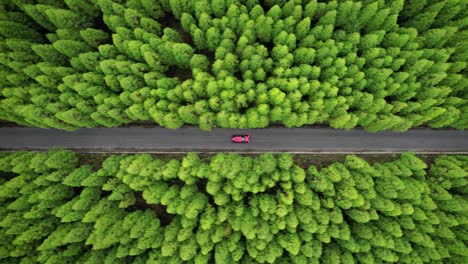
<point x="295" y="140"/>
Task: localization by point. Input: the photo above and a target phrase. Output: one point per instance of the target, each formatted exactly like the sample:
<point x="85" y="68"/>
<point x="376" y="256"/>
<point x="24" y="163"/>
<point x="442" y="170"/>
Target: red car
<point x="240" y="139"/>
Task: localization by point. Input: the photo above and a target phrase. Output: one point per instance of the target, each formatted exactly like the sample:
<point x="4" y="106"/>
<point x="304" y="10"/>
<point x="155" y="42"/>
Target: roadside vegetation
<point x="380" y="65"/>
<point x="302" y="160"/>
<point x="231" y="208"/>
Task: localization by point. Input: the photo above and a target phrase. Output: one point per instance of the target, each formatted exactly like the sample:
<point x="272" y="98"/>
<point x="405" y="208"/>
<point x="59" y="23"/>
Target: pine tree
<point x="71" y="48"/>
<point x="9" y="29"/>
<point x="94" y="37"/>
<point x="62" y="18"/>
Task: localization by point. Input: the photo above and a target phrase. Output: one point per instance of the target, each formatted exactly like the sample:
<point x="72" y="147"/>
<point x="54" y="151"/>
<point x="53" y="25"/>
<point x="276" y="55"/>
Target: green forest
<point x="230" y="208"/>
<point x="375" y="64"/>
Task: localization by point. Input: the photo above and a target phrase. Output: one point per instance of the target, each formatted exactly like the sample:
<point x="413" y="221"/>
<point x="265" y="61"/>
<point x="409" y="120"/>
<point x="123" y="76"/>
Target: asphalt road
<point x="278" y="139"/>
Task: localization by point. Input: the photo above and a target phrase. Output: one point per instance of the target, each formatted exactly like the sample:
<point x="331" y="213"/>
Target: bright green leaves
<point x="231" y="207"/>
<point x="62" y="18"/>
<point x="407" y="55"/>
<point x="61" y="159"/>
<point x="94" y="37"/>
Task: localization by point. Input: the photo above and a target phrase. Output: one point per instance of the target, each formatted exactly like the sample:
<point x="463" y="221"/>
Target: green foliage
<point x="379" y="65"/>
<point x="62" y="18"/>
<point x="71" y="48"/>
<point x="61" y="159"/>
<point x="10" y="29"/>
<point x="231" y="208"/>
<point x="94" y="37"/>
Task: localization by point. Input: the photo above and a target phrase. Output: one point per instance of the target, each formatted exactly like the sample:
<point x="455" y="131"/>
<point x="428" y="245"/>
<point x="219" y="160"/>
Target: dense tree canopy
<point x="231" y="208"/>
<point x="380" y="65"/>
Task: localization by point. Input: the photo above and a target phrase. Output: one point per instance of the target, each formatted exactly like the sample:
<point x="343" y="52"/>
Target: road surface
<point x="278" y="139"/>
